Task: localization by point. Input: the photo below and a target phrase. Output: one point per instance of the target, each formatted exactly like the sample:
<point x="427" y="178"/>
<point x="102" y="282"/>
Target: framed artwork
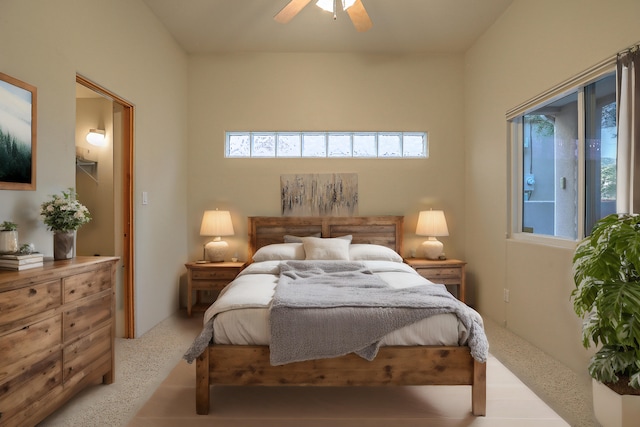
<point x="18" y="130"/>
<point x="334" y="194"/>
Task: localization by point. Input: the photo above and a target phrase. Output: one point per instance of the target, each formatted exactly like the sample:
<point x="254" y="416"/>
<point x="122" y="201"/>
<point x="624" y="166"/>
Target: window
<point x="564" y="173"/>
<point x="326" y="144"/>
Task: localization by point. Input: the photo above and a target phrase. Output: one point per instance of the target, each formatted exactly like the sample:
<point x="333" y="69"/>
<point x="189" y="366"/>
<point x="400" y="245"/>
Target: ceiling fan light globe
<point x="346" y="4"/>
<point x="325" y="5"/>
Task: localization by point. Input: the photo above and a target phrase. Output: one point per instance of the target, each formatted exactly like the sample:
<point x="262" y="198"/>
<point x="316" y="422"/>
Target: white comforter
<point x="241" y="313"/>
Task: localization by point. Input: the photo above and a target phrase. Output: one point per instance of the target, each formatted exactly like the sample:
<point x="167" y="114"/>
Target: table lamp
<point x="216" y="223"/>
<point x="432" y="224"/>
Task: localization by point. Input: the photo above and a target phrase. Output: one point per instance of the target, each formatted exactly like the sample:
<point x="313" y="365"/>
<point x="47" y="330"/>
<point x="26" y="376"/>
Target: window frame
<point x="515" y="156"/>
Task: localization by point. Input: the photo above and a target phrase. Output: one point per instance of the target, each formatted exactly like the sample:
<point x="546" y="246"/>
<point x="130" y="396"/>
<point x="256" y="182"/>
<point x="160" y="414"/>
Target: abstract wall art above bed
<point x="319" y="194"/>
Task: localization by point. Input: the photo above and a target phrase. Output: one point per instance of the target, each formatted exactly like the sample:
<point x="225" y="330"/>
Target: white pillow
<point x="326" y="249"/>
<point x="367" y="252"/>
<point x="279" y="251"/>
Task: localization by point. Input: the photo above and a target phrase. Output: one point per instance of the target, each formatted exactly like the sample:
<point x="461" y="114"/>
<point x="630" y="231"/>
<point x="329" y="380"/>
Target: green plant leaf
<point x="607" y="296"/>
<point x="610" y="361"/>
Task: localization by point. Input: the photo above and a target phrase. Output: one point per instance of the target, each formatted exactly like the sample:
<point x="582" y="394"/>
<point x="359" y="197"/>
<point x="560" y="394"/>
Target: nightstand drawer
<point x="213" y="276"/>
<point x="440" y="273"/>
<point x="450" y="272"/>
<point x="225" y="274"/>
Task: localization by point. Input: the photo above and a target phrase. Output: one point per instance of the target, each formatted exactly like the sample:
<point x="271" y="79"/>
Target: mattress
<point x="240" y="315"/>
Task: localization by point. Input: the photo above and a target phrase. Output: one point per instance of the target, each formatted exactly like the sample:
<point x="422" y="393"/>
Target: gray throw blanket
<point x="329" y="309"/>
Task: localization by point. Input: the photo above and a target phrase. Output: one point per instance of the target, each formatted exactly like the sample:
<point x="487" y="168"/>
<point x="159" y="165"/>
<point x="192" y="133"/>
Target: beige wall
<point x="120" y="45"/>
<point x="281" y="92"/>
<point x="531" y="48"/>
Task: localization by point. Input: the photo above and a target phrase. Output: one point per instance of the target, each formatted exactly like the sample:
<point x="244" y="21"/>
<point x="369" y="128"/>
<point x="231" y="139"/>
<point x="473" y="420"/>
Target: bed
<point x="251" y="365"/>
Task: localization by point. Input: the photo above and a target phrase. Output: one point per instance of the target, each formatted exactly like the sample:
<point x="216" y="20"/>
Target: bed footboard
<point x="421" y="365"/>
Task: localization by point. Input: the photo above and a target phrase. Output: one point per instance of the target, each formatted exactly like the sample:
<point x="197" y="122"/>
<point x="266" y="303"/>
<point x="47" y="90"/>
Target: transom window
<point x="326" y="144"/>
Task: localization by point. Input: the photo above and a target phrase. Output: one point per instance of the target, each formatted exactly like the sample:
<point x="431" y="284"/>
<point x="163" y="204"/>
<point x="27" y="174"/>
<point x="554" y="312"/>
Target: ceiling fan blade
<point x="290" y="10"/>
<point x="359" y="17"/>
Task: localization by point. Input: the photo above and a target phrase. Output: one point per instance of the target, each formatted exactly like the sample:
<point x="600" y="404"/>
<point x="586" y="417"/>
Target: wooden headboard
<point x="380" y="230"/>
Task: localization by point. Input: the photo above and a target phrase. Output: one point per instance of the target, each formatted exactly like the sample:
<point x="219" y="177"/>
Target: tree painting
<point x="17" y="134"/>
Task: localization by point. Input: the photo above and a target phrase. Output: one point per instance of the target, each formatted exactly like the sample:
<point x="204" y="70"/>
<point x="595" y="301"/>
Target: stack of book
<point x="20" y="261"/>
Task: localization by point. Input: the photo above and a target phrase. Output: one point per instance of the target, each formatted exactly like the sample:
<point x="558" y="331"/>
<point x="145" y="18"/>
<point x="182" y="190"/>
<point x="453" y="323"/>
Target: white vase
<point x="613" y="409"/>
<point x="8" y="241"/>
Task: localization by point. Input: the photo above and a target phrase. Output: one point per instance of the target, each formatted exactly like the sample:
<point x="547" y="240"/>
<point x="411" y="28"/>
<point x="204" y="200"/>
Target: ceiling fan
<point x="354" y="8"/>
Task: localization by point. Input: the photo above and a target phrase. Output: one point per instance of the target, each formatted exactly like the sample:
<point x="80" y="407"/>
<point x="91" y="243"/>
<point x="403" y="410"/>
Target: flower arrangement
<point x="64" y="213"/>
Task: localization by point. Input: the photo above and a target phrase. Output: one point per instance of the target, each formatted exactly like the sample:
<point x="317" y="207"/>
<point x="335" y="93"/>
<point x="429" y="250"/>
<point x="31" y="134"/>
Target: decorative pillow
<point x="367" y="252"/>
<point x="288" y="238"/>
<point x="326" y="249"/>
<point x="279" y="251"/>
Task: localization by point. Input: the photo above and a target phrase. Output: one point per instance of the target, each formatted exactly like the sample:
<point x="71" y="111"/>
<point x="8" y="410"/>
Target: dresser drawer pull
<point x="32" y="292"/>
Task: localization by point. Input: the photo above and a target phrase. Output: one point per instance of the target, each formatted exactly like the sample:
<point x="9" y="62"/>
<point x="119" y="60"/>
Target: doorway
<point x="104" y="179"/>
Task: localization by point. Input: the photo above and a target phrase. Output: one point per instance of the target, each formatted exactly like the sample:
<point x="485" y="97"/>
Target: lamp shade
<point x="216" y="223"/>
<point x="432" y="223"/>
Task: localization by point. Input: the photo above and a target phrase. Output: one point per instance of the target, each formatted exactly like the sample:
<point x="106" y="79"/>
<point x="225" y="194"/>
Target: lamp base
<point x="216" y="250"/>
<point x="432" y="248"/>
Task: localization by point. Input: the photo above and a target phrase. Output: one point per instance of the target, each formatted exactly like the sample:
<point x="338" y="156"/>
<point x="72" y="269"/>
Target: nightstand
<point x="449" y="272"/>
<point x="211" y="276"/>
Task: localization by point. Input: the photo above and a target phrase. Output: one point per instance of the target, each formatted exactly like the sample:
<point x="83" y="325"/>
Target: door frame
<point x="127" y="201"/>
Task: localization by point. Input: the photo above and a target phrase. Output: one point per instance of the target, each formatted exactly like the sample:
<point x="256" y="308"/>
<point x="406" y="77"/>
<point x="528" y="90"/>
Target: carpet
<point x="509" y="403"/>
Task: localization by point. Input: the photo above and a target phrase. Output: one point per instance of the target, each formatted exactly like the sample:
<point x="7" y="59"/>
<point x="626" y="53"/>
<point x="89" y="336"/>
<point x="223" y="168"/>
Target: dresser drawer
<point x="87" y="317"/>
<point x="21" y="349"/>
<point x="24" y="302"/>
<point x="82" y="353"/>
<point x="222" y="274"/>
<point x="84" y="284"/>
<point x="18" y="395"/>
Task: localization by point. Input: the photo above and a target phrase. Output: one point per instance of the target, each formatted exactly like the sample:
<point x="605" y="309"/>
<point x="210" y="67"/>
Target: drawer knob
<point x="32" y="292"/>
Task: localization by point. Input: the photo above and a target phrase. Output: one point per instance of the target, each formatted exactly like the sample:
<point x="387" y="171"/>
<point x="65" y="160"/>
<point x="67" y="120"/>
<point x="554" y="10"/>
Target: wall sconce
<point x="216" y="223"/>
<point x="432" y="224"/>
<point x="97" y="137"/>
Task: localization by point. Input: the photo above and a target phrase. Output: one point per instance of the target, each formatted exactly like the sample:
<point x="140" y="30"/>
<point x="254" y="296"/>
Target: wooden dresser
<point x="57" y="332"/>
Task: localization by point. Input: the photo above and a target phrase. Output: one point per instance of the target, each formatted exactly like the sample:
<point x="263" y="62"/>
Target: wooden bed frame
<point x="396" y="365"/>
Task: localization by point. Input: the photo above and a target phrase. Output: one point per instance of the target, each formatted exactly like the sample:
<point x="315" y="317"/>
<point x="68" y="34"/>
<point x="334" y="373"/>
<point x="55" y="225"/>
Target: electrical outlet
<point x="506" y="294"/>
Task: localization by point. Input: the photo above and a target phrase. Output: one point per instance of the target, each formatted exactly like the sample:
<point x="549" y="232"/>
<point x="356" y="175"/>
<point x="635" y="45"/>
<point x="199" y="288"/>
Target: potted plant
<point x="64" y="214"/>
<point x="606" y="271"/>
<point x="8" y="237"/>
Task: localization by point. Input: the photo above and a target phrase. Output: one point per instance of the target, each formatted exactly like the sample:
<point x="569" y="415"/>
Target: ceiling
<point x="399" y="26"/>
